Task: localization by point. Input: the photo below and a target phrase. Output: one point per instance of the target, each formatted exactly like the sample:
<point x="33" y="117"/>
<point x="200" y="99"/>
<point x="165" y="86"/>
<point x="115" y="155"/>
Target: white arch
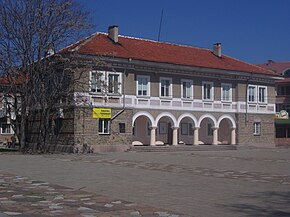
<point x="166" y="114"/>
<point x="188" y="115"/>
<point x="207" y="116"/>
<point x="229" y="118"/>
<point x="141" y="113"/>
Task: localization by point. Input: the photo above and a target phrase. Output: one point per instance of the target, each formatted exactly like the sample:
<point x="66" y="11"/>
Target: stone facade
<point x="245" y="130"/>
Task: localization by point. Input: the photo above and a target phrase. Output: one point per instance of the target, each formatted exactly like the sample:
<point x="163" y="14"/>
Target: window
<point x="186" y="129"/>
<point x="162" y="127"/>
<point x="6" y="129"/>
<point x="122" y="127"/>
<point x="226" y="92"/>
<point x="207" y="91"/>
<point x="252" y="93"/>
<point x="165" y="87"/>
<point x="104" y="125"/>
<point x="186" y="89"/>
<point x="257" y="94"/>
<point x="262" y="94"/>
<point x="209" y="129"/>
<point x="143" y="87"/>
<point x="113" y="85"/>
<point x="97" y="81"/>
<point x="105" y="82"/>
<point x="257" y="128"/>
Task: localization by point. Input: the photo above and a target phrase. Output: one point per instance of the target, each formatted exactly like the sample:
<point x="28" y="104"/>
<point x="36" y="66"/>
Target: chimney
<point x="113" y="33"/>
<point x="217" y="49"/>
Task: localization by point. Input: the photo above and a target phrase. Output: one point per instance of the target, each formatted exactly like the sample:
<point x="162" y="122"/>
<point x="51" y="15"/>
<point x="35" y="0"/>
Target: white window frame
<point x="148" y="85"/>
<point x="255" y="94"/>
<point x="257" y="128"/>
<point x="222" y="92"/>
<point x="211" y="91"/>
<point x="170" y="87"/>
<point x="99" y="90"/>
<point x="190" y="89"/>
<point x="119" y="82"/>
<point x="101" y="129"/>
<point x="104" y="89"/>
<point x="11" y="130"/>
<point x="265" y="94"/>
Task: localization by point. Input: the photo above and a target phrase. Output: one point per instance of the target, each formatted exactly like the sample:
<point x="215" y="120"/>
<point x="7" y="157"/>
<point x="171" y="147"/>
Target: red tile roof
<point x="278" y="67"/>
<point x="147" y="50"/>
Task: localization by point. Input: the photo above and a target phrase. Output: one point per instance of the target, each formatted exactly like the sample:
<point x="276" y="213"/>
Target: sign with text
<point x="102" y="113"/>
<point x="282" y="114"/>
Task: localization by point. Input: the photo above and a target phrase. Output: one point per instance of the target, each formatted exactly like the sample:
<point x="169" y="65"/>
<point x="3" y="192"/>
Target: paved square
<point x="249" y="183"/>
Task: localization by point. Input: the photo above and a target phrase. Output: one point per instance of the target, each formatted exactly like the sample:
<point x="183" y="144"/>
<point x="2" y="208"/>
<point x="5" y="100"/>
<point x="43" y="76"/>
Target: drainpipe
<point x="247" y="91"/>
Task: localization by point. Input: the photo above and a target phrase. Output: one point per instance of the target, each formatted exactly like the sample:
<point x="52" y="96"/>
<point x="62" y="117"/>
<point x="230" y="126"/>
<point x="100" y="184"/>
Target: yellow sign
<point x="102" y="113"/>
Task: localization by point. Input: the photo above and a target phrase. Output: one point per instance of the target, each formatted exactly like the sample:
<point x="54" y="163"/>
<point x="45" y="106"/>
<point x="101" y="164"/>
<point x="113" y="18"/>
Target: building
<point x="145" y="92"/>
<point x="282" y="122"/>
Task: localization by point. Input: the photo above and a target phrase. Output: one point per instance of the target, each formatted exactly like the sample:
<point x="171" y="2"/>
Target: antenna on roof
<point x="160" y="24"/>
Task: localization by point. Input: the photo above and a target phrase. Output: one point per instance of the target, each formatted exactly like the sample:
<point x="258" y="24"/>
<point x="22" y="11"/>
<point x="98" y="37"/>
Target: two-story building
<point x="137" y="91"/>
<point x="282" y="121"/>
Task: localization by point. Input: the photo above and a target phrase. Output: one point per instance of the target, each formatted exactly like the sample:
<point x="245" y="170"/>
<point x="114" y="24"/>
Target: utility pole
<point x="160" y="24"/>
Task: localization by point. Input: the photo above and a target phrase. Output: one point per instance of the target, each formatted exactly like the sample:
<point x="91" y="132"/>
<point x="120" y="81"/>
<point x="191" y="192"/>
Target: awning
<point x="282" y="121"/>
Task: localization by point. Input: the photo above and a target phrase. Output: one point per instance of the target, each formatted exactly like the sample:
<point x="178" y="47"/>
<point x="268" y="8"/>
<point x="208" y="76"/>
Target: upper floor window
<point x="257" y="94"/>
<point x="143" y="85"/>
<point x="114" y="83"/>
<point x="252" y="93"/>
<point x="97" y="81"/>
<point x="207" y="91"/>
<point x="226" y="92"/>
<point x="165" y="87"/>
<point x="186" y="89"/>
<point x="262" y="94"/>
<point x="105" y="82"/>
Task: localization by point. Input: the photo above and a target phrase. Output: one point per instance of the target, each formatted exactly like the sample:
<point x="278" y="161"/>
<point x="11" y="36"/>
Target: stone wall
<point x="86" y="128"/>
<point x="245" y="129"/>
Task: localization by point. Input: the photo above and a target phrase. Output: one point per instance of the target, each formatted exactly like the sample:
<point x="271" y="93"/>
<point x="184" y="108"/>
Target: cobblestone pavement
<point x="20" y="196"/>
<point x="241" y="183"/>
<point x="200" y="171"/>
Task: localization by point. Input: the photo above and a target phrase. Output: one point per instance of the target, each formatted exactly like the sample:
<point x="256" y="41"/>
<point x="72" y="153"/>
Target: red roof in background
<point x="140" y="49"/>
<point x="278" y="67"/>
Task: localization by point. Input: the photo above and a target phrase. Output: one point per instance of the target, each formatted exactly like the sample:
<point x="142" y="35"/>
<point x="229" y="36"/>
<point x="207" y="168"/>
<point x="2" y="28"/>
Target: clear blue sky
<point x="249" y="30"/>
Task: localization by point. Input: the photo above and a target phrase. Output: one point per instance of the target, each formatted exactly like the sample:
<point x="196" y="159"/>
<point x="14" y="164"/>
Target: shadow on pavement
<point x="266" y="204"/>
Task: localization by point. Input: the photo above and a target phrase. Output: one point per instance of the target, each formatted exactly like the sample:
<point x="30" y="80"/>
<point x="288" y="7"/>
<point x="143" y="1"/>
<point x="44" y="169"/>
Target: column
<point x="215" y="136"/>
<point x="175" y="136"/>
<point x="196" y="138"/>
<point x="233" y="136"/>
<point x="153" y="136"/>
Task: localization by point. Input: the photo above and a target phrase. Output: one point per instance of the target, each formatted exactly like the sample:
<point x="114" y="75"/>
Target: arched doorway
<point x="208" y="130"/>
<point x="187" y="124"/>
<point x="166" y="125"/>
<point x="227" y="130"/>
<point x="142" y="123"/>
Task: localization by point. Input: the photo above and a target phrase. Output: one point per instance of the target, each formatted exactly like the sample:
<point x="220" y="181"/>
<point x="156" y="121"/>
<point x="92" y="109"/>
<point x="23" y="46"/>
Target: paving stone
<point x="12" y="213"/>
<point x="84" y="209"/>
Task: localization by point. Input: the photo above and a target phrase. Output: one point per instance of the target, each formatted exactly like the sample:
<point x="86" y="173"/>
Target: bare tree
<point x="35" y="77"/>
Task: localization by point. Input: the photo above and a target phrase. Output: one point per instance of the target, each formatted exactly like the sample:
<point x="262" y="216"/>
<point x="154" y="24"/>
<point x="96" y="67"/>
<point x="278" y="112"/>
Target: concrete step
<point x="170" y="148"/>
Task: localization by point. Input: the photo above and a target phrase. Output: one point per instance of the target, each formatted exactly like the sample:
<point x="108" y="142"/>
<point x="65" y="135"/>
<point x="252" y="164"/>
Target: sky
<point x="250" y="30"/>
